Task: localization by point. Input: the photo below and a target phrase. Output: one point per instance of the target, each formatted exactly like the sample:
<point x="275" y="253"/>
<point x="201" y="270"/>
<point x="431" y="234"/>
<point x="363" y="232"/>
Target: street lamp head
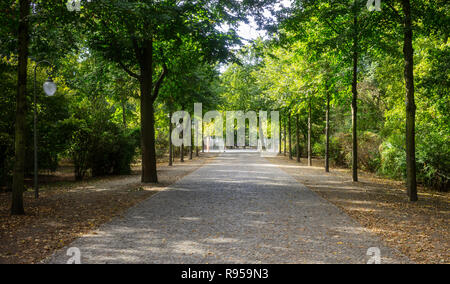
<point x="49" y="87"/>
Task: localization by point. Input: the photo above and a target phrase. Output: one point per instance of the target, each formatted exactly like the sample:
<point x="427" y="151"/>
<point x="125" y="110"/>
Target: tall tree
<point x="327" y="130"/>
<point x="309" y="132"/>
<point x="28" y="32"/>
<point x="21" y="108"/>
<point x="408" y="52"/>
<point x="284" y="136"/>
<point x="340" y="25"/>
<point x="297" y="136"/>
<point x="290" y="136"/>
<point x="138" y="34"/>
<point x="355" y="56"/>
<point x="433" y="16"/>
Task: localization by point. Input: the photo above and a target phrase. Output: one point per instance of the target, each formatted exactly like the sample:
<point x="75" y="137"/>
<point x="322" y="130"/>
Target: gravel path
<point x="237" y="209"/>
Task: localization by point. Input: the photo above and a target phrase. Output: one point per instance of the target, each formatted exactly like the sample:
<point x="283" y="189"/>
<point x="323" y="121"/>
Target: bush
<point x="341" y="150"/>
<point x="79" y="145"/>
<point x="106" y="152"/>
<point x="294" y="149"/>
<point x="369" y="156"/>
<point x="128" y="142"/>
<point x="336" y="150"/>
<point x="52" y="137"/>
<point x="432" y="152"/>
<point x="432" y="157"/>
<point x="162" y="144"/>
<point x="113" y="152"/>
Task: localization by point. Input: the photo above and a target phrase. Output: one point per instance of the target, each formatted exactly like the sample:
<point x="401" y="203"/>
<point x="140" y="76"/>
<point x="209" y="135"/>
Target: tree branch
<point x="394" y="10"/>
<point x="159" y="82"/>
<point x="131" y="73"/>
<point x="332" y="26"/>
<point x="335" y="30"/>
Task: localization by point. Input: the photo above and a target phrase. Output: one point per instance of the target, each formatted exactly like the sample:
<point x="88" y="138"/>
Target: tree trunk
<point x="182" y="151"/>
<point x="285" y="144"/>
<point x="297" y="135"/>
<point x="173" y="154"/>
<point x="191" y="150"/>
<point x="261" y="134"/>
<point x="327" y="135"/>
<point x="170" y="140"/>
<point x="21" y="110"/>
<point x="290" y="136"/>
<point x="309" y="135"/>
<point x="280" y="137"/>
<point x="196" y="139"/>
<point x="355" y="97"/>
<point x="149" y="174"/>
<point x="408" y="52"/>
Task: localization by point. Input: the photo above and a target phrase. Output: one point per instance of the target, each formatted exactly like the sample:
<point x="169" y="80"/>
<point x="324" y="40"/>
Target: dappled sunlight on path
<point x="236" y="209"/>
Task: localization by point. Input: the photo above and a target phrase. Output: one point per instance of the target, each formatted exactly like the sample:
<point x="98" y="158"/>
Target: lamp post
<point x="49" y="89"/>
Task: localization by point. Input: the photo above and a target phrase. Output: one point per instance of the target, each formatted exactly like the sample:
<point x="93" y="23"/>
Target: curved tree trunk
<point x="21" y="110"/>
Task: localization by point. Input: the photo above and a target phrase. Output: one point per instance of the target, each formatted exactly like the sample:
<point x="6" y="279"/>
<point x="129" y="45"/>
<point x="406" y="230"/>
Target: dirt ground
<point x="67" y="210"/>
<point x="419" y="230"/>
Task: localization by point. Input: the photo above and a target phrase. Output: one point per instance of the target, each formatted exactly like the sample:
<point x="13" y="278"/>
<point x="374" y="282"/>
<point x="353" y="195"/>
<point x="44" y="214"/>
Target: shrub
<point x="393" y="158"/>
<point x="432" y="157"/>
<point x="79" y="145"/>
<point x="369" y="156"/>
<point x="113" y="152"/>
<point x="294" y="149"/>
<point x="162" y="144"/>
<point x="432" y="164"/>
<point x="341" y="149"/>
<point x="128" y="142"/>
<point x="106" y="152"/>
